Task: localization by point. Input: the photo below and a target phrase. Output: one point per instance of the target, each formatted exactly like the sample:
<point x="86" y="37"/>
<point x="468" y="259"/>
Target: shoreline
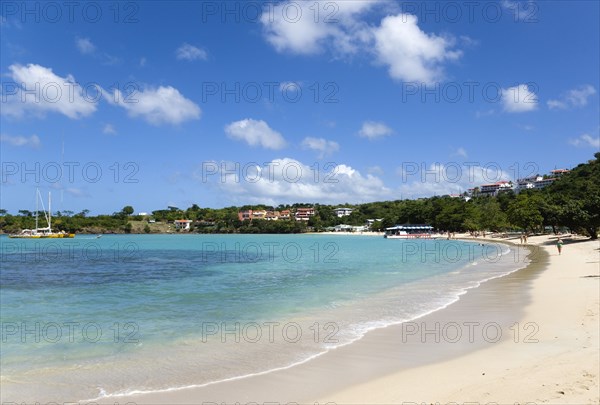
<point x="394" y="324"/>
<point x="537" y="319"/>
<point x="381" y="358"/>
<point x="559" y="358"/>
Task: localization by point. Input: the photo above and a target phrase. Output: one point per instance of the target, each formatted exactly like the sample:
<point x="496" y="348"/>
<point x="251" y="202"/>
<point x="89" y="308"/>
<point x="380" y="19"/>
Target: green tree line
<point x="572" y="201"/>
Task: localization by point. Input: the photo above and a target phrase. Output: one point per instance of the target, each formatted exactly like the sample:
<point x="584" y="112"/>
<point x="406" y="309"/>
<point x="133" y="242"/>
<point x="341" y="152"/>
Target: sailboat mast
<point x="37" y="208"/>
<point x="49" y="213"/>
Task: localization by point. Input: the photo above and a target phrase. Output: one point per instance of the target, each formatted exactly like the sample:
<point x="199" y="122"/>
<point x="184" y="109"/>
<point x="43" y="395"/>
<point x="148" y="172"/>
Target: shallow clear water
<point x="87" y="318"/>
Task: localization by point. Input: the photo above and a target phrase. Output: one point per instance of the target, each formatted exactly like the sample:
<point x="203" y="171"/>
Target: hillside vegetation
<point x="572" y="201"/>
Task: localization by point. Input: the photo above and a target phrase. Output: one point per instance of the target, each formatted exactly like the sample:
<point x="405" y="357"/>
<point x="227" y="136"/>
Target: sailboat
<point x="38" y="232"/>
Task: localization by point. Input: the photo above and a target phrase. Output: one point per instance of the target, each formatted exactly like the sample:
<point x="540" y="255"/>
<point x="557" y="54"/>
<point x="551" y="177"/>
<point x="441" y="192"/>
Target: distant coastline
<point x="568" y="203"/>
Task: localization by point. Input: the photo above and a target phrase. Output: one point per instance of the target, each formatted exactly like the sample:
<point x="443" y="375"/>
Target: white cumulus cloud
<point x="577" y="97"/>
<point x="374" y="130"/>
<point x="420" y="180"/>
<point x="190" y="52"/>
<point x="162" y="105"/>
<point x="288" y="180"/>
<point x="586" y="140"/>
<point x="32" y="141"/>
<point x="37" y="89"/>
<point x="461" y="152"/>
<point x="109" y="129"/>
<point x="310" y="27"/>
<point x="321" y="145"/>
<point x="410" y="53"/>
<point x="519" y="99"/>
<point x="375" y="170"/>
<point x="255" y="133"/>
<point x="85" y="46"/>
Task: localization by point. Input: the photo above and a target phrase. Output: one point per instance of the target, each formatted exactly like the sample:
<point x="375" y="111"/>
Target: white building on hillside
<point x="539" y="181"/>
<point x="495" y="188"/>
<point x="343" y="211"/>
<point x="182" y="224"/>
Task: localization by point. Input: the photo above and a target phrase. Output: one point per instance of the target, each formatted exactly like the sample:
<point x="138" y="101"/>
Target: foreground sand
<point x="562" y="367"/>
<point x="548" y="351"/>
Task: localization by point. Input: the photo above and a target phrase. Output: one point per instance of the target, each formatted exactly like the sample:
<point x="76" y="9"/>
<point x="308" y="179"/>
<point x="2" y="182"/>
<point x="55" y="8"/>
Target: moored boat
<point x="38" y="233"/>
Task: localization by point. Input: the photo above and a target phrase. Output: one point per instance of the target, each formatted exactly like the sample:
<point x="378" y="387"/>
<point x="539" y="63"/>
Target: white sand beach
<point x="559" y="366"/>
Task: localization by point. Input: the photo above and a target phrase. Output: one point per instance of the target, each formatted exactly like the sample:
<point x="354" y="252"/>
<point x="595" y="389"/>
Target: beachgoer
<point x="559" y="245"/>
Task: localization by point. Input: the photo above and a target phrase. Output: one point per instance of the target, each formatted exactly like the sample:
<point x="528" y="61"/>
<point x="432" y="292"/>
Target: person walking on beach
<point x="559" y="244"/>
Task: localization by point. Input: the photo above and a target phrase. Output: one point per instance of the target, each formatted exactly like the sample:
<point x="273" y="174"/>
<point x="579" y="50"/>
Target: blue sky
<point x="152" y="103"/>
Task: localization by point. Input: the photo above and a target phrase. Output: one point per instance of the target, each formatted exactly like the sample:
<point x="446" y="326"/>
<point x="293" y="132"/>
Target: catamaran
<point x="38" y="232"/>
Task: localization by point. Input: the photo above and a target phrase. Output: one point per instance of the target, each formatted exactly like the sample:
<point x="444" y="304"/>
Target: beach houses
<point x="533" y="182"/>
<point x="495" y="188"/>
<point x="343" y="211"/>
<point x="559" y="172"/>
<point x="301" y="214"/>
<point x="537" y="181"/>
<point x="259" y="214"/>
<point x="245" y="215"/>
<point x="342" y="228"/>
<point x="252" y="214"/>
<point x="182" y="224"/>
<point x="526" y="183"/>
<point x="304" y="214"/>
<point x="272" y="215"/>
<point x="370" y="222"/>
<point x="347" y="228"/>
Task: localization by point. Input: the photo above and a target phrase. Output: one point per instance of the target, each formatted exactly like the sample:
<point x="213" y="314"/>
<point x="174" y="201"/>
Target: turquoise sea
<point x="90" y="318"/>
